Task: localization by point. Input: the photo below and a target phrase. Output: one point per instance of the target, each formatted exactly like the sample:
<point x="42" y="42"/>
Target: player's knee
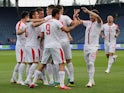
<point x="91" y="63"/>
<point x="68" y="61"/>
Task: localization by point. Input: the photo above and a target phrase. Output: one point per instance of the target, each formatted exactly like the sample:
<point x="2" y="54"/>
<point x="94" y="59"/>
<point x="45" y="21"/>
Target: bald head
<point x="110" y="19"/>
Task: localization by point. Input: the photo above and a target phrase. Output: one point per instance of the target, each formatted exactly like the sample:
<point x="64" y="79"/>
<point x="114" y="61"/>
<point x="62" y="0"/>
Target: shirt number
<point x="48" y="29"/>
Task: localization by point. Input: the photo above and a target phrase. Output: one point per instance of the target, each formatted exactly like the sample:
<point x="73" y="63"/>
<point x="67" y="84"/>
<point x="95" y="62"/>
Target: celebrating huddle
<point x="47" y="39"/>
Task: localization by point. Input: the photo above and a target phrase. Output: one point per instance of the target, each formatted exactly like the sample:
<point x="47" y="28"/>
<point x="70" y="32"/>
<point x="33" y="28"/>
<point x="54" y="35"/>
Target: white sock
<point x="91" y="71"/>
<point x="15" y="71"/>
<point x="50" y="72"/>
<point x="21" y="70"/>
<point x="36" y="75"/>
<point x="110" y="62"/>
<point x="27" y="69"/>
<point x="43" y="76"/>
<point x="56" y="72"/>
<point x="31" y="71"/>
<point x="71" y="71"/>
<point x="67" y="72"/>
<point x="62" y="77"/>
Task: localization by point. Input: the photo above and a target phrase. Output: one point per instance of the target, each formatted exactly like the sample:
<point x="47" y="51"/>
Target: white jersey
<point x="92" y="32"/>
<point x="31" y="35"/>
<point x="21" y="39"/>
<point x="38" y="32"/>
<point x="110" y="32"/>
<point x="47" y="18"/>
<point x="51" y="30"/>
<point x="66" y="21"/>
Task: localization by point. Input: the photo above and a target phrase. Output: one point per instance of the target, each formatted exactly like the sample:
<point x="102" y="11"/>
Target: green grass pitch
<point x="105" y="83"/>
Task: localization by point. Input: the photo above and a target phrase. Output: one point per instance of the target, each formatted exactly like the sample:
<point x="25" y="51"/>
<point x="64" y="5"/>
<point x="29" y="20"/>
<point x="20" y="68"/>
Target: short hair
<point x="32" y="12"/>
<point x="59" y="7"/>
<point x="24" y="14"/>
<point x="51" y="6"/>
<point x="55" y="11"/>
<point x="95" y="11"/>
<point x="39" y="9"/>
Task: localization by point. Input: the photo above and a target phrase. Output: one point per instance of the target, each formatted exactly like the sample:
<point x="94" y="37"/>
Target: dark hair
<point x="51" y="6"/>
<point x="39" y="9"/>
<point x="32" y="12"/>
<point x="95" y="11"/>
<point x="59" y="7"/>
<point x="55" y="11"/>
<point x="24" y="14"/>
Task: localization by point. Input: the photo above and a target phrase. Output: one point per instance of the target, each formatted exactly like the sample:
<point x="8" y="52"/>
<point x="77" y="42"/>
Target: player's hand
<point x="103" y="36"/>
<point x="116" y="36"/>
<point x="75" y="15"/>
<point x="85" y="10"/>
<point x="76" y="11"/>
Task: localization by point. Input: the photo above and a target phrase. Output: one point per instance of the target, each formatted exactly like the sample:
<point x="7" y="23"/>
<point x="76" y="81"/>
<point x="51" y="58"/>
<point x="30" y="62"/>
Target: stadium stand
<point x="9" y="17"/>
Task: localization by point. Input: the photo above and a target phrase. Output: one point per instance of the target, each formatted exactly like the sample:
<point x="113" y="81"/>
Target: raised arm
<point x="85" y="10"/>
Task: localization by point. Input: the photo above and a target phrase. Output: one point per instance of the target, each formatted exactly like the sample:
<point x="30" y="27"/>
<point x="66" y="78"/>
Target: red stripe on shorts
<point x="21" y="53"/>
<point x="39" y="52"/>
<point x="62" y="55"/>
<point x="33" y="54"/>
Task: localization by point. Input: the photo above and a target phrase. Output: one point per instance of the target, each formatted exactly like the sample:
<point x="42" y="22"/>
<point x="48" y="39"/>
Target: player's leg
<point x="90" y="66"/>
<point x="106" y="47"/>
<point x="68" y="75"/>
<point x="43" y="76"/>
<point x="56" y="74"/>
<point x="50" y="73"/>
<point x="68" y="56"/>
<point x="20" y="74"/>
<point x="36" y="75"/>
<point x="30" y="59"/>
<point x="111" y="58"/>
<point x="22" y="67"/>
<point x="15" y="72"/>
<point x="58" y="58"/>
<point x="35" y="59"/>
<point x="45" y="58"/>
<point x="27" y="68"/>
<point x="16" y="68"/>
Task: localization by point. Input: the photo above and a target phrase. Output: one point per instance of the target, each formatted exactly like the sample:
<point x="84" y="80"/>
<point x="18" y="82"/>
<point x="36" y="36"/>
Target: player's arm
<point x="20" y="31"/>
<point x="35" y="24"/>
<point x="68" y="29"/>
<point x="117" y="32"/>
<point x="102" y="34"/>
<point x="36" y="20"/>
<point x="85" y="10"/>
<point x="42" y="36"/>
<point x="75" y="16"/>
<point x="69" y="36"/>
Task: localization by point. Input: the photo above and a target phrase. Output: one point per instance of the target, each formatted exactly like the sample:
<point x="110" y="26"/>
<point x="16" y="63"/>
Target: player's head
<point x="61" y="8"/>
<point x="110" y="19"/>
<point x="34" y="14"/>
<point x="40" y="12"/>
<point x="56" y="13"/>
<point x="25" y="15"/>
<point x="92" y="17"/>
<point x="49" y="9"/>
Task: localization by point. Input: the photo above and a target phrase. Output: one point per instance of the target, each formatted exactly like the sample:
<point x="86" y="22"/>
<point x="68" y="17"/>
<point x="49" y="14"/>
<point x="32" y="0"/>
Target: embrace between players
<point x="48" y="39"/>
